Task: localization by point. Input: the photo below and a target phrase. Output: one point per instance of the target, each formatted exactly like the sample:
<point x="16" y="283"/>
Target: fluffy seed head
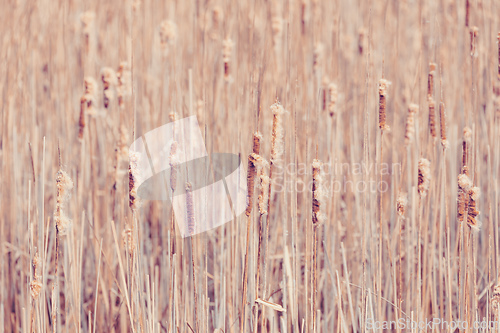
<point x="318" y="193"/>
<point x="382" y="91"/>
<point x="168" y="33"/>
<point x="401" y="204"/>
<point x="410" y="123"/>
<point x="424" y="176"/>
<point x="278" y="133"/>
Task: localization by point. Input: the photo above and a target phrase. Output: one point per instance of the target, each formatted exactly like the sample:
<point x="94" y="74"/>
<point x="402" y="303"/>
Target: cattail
<point x="227" y="50"/>
<point x="133" y="180"/>
<point x="472" y="212"/>
<point x="257" y="136"/>
<point x="191" y="227"/>
<point x="465" y="149"/>
<point x="303" y="7"/>
<point x="495" y="299"/>
<point x="168" y="34"/>
<point x="361" y="38"/>
<point x="217" y="16"/>
<point x="277" y="28"/>
<point x="474" y="31"/>
<point x="382" y="90"/>
<point x="424" y="176"/>
<point x="467" y="12"/>
<point x="432" y="117"/>
<point x="277" y="139"/>
<point x="317" y="56"/>
<point x="64" y="185"/>
<point x="464" y="185"/>
<point x="332" y="92"/>
<point x="108" y="78"/>
<point x="36" y="285"/>
<point x="90" y="94"/>
<point x="430" y="80"/>
<point x="255" y="164"/>
<point x="87" y="21"/>
<point x="324" y="92"/>
<point x="318" y="192"/>
<point x="410" y="123"/>
<point x="124" y="85"/>
<point x="401" y="204"/>
<point x="442" y="122"/>
<point x="264" y="191"/>
<point x="128" y="238"/>
<point x="81" y="122"/>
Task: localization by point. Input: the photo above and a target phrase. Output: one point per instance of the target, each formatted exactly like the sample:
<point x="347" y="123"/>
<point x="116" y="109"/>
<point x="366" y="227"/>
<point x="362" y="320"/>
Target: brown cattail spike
<point x="442" y="121"/>
<point x="464" y="185"/>
<point x="432" y="117"/>
<point x="472" y="212"/>
<point x="382" y="90"/>
<point x="498" y="42"/>
<point x="227" y="51"/>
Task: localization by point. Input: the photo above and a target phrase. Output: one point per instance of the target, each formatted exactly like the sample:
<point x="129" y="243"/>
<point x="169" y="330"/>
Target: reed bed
<point x="369" y="134"/>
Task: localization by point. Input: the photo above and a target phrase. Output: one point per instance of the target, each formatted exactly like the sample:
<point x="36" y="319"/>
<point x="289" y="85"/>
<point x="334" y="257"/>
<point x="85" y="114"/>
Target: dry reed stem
<point x="442" y="123"/>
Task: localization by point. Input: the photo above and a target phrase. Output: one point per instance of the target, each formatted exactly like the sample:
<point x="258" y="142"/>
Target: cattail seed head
<point x="430" y="80"/>
<point x="64" y="185"/>
<point x="410" y="123"/>
<point x="168" y="34"/>
<point x="87" y="25"/>
<point x="432" y="118"/>
<point x="333" y="95"/>
<point x="401" y="204"/>
<point x="495" y="299"/>
<point x="464" y="186"/>
<point x="278" y="133"/>
<point x="442" y="122"/>
<point x="474" y="31"/>
<point x="317" y="56"/>
<point x="133" y="180"/>
<point x="472" y="212"/>
<point x="255" y="164"/>
<point x="124" y="85"/>
<point x="318" y="193"/>
<point x="382" y="90"/>
<point x="36" y="284"/>
<point x="264" y="182"/>
<point x="90" y="94"/>
<point x="227" y="51"/>
<point x="424" y="176"/>
<point x="108" y="77"/>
